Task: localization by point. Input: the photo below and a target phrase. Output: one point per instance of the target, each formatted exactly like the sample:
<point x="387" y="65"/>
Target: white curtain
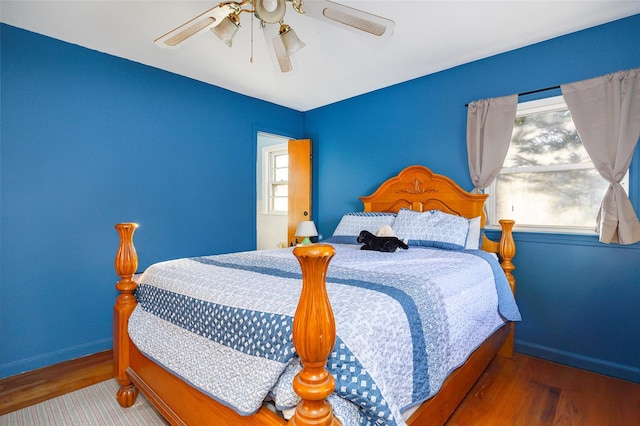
<point x="489" y="128"/>
<point x="606" y="112"/>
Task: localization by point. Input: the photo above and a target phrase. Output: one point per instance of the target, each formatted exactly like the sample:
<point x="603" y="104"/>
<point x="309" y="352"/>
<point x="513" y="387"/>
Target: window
<point x="548" y="182"/>
<point x="276" y="159"/>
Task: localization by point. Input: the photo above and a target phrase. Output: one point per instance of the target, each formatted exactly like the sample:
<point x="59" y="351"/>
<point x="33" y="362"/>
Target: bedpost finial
<point x="126" y="262"/>
<point x="507" y="250"/>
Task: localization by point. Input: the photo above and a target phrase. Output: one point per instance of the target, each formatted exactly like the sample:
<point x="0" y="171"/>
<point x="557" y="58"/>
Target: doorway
<point x="272" y="180"/>
<point x="283" y="195"/>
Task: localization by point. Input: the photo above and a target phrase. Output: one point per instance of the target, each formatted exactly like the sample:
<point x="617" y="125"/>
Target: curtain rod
<point x="531" y="92"/>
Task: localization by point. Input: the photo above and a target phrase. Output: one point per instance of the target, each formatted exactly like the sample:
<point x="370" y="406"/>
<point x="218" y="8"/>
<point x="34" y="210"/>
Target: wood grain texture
<point x="314" y="337"/>
<point x="418" y="188"/>
<point x="518" y="391"/>
<point x="529" y="391"/>
<point x="299" y="198"/>
<point x="32" y="387"/>
<point x="126" y="264"/>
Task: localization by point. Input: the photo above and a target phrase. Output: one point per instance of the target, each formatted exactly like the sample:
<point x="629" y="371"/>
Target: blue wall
<point x="579" y="298"/>
<point x="89" y="140"/>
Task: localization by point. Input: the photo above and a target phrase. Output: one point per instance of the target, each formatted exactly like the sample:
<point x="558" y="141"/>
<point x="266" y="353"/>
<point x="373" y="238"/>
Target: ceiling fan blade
<point x="349" y="18"/>
<point x="200" y="23"/>
<point x="282" y="62"/>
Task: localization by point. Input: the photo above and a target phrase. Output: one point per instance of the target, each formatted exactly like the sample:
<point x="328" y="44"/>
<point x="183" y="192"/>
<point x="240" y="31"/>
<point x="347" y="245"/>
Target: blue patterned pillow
<point x="432" y="229"/>
<point x="353" y="223"/>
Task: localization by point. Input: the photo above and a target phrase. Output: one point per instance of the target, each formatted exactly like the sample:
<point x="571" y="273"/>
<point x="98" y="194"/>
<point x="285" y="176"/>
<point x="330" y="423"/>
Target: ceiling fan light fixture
<point x="227" y="28"/>
<point x="270" y="11"/>
<point x="269" y="5"/>
<point x="224" y="20"/>
<point x="290" y="40"/>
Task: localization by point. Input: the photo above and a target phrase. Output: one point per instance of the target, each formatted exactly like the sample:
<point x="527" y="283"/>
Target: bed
<point x="187" y="388"/>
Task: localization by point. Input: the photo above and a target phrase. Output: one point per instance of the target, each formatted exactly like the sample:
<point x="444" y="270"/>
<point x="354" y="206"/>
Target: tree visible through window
<point x="548" y="179"/>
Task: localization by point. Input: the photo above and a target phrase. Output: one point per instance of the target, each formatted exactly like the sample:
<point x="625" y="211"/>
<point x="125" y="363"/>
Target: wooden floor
<point x="530" y="391"/>
<point x="36" y="386"/>
<point x="511" y="392"/>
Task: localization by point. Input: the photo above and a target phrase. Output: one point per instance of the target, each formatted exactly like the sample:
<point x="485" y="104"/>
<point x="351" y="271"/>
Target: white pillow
<point x="473" y="236"/>
<point x="432" y="229"/>
<point x="352" y="223"/>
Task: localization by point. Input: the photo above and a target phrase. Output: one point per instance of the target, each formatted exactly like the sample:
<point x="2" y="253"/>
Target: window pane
<point x="276" y="176"/>
<point x="566" y="198"/>
<point x="543" y="139"/>
<point x="280" y="190"/>
<point x="281" y="175"/>
<point x="281" y="161"/>
<point x="280" y="204"/>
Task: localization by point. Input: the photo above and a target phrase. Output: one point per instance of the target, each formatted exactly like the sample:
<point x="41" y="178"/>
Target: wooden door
<point x="299" y="185"/>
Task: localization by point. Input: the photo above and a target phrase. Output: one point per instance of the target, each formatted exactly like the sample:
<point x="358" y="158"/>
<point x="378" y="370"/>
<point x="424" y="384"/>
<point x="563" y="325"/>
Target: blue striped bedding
<point x="404" y="321"/>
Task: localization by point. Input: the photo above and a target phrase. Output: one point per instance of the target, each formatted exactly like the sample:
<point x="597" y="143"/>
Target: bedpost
<point x="314" y="336"/>
<point x="126" y="264"/>
<point x="506" y="251"/>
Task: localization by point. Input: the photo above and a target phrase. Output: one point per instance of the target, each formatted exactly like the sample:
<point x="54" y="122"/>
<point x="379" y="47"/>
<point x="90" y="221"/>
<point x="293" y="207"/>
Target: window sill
<point x="529" y="235"/>
<point x="587" y="232"/>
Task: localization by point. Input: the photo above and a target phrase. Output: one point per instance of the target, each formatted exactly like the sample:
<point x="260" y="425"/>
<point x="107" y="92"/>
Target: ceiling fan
<point x="224" y="21"/>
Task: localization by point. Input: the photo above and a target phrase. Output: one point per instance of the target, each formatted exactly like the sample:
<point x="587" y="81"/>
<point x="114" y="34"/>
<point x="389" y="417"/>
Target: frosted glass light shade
<point x="269" y="5"/>
<point x="227" y="29"/>
<point x="290" y="40"/>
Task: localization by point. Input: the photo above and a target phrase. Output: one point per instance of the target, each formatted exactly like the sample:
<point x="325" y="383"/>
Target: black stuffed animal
<point x="387" y="244"/>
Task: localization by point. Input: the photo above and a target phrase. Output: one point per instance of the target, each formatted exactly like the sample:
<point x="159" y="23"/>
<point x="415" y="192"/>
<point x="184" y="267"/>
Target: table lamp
<point x="306" y="229"/>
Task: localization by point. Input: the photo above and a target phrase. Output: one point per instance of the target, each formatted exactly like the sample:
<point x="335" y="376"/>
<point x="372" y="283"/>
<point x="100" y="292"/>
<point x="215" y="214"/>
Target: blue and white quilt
<point x="404" y="321"/>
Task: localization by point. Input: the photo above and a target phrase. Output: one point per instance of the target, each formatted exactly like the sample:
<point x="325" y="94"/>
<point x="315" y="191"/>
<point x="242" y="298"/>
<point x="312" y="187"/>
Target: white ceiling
<point x="429" y="36"/>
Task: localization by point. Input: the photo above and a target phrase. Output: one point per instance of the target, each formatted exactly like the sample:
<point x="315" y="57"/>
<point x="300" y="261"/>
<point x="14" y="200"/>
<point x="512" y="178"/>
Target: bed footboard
<point x="314" y="337"/>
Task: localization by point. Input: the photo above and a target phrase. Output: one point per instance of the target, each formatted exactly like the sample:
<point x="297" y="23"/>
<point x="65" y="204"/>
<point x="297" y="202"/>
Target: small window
<point x="277" y="188"/>
<point x="548" y="182"/>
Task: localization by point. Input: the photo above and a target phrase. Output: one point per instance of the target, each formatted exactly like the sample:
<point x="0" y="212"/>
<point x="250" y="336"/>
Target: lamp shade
<point x="290" y="40"/>
<point x="306" y="229"/>
<point x="227" y="28"/>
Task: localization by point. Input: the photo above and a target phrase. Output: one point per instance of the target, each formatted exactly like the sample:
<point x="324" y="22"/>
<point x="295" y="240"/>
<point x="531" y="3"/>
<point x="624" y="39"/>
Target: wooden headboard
<point x="418" y="188"/>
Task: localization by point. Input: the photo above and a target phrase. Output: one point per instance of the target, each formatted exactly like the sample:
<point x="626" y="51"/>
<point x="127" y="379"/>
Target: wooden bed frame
<point x="415" y="187"/>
